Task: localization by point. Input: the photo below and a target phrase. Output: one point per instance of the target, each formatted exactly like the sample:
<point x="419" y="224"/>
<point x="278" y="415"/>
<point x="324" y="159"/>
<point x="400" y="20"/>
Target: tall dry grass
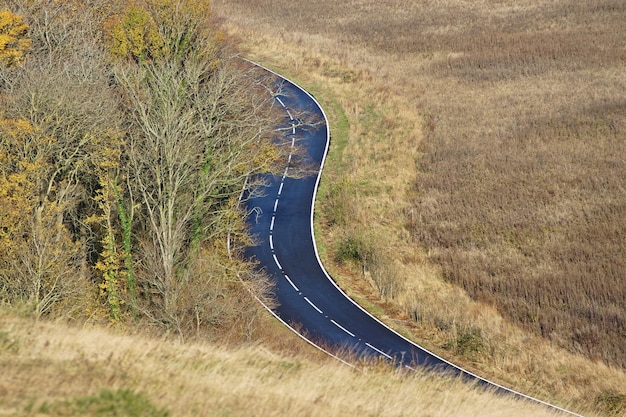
<point x="49" y="369"/>
<point x="480" y="144"/>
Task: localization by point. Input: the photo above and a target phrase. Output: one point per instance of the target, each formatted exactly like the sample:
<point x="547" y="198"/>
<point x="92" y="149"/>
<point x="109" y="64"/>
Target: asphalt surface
<point x="309" y="300"/>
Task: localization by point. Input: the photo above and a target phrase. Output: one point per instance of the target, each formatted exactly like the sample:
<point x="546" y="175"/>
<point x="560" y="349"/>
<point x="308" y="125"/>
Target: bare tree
<point x="198" y="132"/>
<point x="201" y="124"/>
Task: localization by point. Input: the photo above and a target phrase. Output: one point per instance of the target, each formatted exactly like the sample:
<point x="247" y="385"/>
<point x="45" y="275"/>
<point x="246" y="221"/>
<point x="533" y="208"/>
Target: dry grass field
<point x="50" y="369"/>
<point x="475" y="196"/>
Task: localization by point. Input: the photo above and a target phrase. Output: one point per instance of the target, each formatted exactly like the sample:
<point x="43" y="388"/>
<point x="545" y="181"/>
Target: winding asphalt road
<point x="309" y="300"/>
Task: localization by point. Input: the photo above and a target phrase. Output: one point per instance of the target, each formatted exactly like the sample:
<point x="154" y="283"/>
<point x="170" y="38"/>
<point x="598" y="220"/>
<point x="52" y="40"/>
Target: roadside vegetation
<point x="475" y="199"/>
<point x="128" y="131"/>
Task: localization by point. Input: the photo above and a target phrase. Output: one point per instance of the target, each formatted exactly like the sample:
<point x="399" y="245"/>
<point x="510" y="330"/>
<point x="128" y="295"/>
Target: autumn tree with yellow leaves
<point x="127" y="135"/>
<point x="39" y="262"/>
<point x="14" y="41"/>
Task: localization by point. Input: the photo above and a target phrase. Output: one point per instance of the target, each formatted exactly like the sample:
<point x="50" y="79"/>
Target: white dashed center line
<point x="277" y="263"/>
<point x="342" y="328"/>
<point x="313" y="305"/>
<point x="379" y="351"/>
<point x="271" y="238"/>
<point x="292" y="284"/>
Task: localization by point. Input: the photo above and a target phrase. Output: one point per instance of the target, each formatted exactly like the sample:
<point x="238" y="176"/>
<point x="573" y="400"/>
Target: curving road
<point x="309" y="300"/>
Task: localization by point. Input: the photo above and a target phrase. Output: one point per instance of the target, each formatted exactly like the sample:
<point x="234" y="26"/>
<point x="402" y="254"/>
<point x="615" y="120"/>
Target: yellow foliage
<point x="21" y="147"/>
<point x="266" y="157"/>
<point x="154" y="29"/>
<point x="38" y="258"/>
<point x="105" y="151"/>
<point x="15" y="192"/>
<point x="135" y="35"/>
<point x="13" y="40"/>
<point x="20" y="128"/>
<point x="110" y="265"/>
<point x="19" y="189"/>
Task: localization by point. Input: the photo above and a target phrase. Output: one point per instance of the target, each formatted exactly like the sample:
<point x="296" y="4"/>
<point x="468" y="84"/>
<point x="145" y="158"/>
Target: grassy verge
<point x="50" y="369"/>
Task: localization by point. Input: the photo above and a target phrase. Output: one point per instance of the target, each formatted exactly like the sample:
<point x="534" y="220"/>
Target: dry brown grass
<point x="49" y="369"/>
<point x="513" y="114"/>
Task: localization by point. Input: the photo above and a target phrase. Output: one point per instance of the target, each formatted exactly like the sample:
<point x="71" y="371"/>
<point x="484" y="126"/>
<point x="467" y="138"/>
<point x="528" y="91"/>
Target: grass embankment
<point x="51" y="369"/>
<point x="477" y="204"/>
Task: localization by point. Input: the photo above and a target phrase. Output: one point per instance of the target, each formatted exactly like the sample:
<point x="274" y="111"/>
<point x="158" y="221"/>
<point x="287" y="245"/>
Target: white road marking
<point x="342" y="328"/>
<point x="271" y="243"/>
<point x="289" y="158"/>
<point x="313" y="305"/>
<point x="285" y="174"/>
<point x="293" y="129"/>
<point x="272" y="223"/>
<point x="290" y="116"/>
<point x="275" y="205"/>
<point x="280" y="189"/>
<point x="292" y="284"/>
<point x="410" y="342"/>
<point x="378" y="350"/>
<point x="280" y="101"/>
<point x="277" y="263"/>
